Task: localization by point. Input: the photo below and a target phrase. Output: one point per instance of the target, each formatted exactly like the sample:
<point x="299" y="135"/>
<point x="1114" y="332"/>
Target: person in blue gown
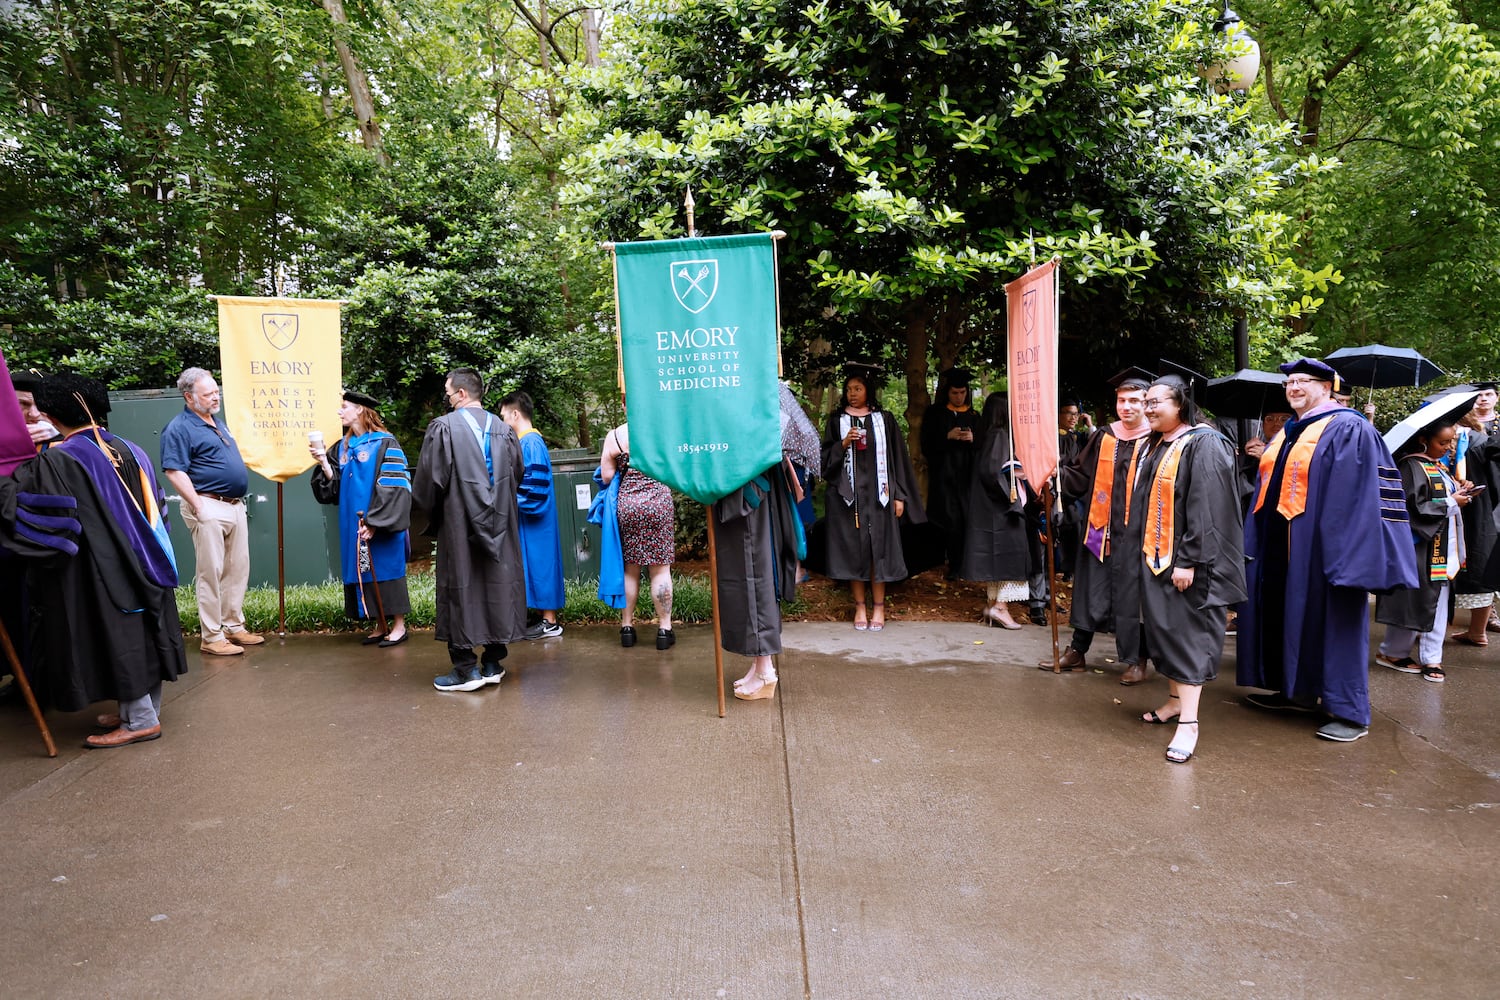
<point x="365" y="472"/>
<point x="1327" y="526"/>
<point x="541" y="541"/>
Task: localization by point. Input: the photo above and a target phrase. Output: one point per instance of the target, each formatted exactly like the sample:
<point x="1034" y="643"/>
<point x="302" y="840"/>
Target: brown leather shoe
<point x="245" y="638"/>
<point x="122" y="737"/>
<point x="222" y="649"/>
<point x="1134" y="674"/>
<point x="1071" y="659"/>
<point x="108" y="720"/>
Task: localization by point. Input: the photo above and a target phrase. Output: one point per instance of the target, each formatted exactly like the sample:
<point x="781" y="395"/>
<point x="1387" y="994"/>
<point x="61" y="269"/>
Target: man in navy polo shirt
<point x="203" y="464"/>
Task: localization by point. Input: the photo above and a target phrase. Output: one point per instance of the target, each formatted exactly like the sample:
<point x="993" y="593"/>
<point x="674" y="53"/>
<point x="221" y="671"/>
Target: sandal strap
<point x="1187" y="722"/>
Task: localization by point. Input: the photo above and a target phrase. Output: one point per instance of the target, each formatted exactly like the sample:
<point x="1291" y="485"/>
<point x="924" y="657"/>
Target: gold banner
<point x="283" y="377"/>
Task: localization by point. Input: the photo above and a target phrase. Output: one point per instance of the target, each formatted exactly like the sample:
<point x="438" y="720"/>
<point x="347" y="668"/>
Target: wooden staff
<point x="25" y="686"/>
<point x="1051" y="568"/>
<point x="713" y="577"/>
<point x="365" y="547"/>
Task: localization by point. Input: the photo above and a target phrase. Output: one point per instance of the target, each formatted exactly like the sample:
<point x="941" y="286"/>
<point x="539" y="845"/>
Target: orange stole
<point x="1294" y="480"/>
<point x="1097" y="538"/>
<point x="1162" y="511"/>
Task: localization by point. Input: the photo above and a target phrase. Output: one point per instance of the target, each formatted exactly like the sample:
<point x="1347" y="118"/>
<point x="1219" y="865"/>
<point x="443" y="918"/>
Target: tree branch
<point x="541" y="32"/>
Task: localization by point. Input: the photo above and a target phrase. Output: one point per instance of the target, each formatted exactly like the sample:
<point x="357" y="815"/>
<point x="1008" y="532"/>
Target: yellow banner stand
<point x="282" y="365"/>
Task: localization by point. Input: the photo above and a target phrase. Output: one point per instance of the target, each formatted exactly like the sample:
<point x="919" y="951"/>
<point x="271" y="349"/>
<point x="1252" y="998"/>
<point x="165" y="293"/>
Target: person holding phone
<point x="1433" y="503"/>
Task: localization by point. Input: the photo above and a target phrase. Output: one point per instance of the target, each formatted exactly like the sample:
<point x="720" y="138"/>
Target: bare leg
<point x="762" y="671"/>
<point x="398" y="627"/>
<point x="857" y="587"/>
<point x="1185" y="739"/>
<point x="632" y="594"/>
<point x="877" y="616"/>
<point x="1478" y="619"/>
<point x="661" y="595"/>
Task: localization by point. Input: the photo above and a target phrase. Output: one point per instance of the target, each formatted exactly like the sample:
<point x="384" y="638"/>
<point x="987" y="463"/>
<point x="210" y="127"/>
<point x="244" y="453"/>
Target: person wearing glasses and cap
<point x="950" y="443"/>
<point x="1327" y="525"/>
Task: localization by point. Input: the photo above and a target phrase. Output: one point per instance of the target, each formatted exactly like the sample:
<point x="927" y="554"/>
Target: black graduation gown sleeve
<point x="324" y="489"/>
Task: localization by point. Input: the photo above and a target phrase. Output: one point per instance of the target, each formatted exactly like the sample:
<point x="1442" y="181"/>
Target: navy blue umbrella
<point x="1248" y="394"/>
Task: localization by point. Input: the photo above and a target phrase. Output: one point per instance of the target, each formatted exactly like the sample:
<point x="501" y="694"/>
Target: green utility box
<point x="573" y="485"/>
<point x="311" y="530"/>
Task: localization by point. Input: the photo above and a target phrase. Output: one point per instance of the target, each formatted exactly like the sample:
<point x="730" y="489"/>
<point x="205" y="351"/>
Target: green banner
<point x="698" y="345"/>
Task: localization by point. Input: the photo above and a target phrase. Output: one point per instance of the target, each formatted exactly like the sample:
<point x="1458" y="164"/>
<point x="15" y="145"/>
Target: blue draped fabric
<point x="611" y="556"/>
<point x="541" y="542"/>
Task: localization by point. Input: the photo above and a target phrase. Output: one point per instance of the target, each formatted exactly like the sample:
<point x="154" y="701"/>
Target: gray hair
<point x="190" y="378"/>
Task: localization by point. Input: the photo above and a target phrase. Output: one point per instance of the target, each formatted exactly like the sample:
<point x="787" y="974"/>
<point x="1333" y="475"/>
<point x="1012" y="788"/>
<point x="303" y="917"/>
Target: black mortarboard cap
<point x="871" y="373"/>
<point x="958" y="378"/>
<point x="1195" y="383"/>
<point x="1131" y="378"/>
<point x="361" y="399"/>
<point x="25" y="379"/>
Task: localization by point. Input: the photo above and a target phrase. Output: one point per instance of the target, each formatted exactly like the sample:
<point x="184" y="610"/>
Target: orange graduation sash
<point x="1161" y="512"/>
<point x="1097" y="537"/>
<point x="1294" y="479"/>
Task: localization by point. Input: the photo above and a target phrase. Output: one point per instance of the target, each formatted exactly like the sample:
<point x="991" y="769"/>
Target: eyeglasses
<point x="1151" y="404"/>
<point x="1301" y="381"/>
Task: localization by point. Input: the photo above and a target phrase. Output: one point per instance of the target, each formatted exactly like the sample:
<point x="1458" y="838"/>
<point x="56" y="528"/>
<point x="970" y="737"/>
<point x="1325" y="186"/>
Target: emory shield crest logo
<point x="1028" y="310"/>
<point x="695" y="282"/>
<point x="280" y="329"/>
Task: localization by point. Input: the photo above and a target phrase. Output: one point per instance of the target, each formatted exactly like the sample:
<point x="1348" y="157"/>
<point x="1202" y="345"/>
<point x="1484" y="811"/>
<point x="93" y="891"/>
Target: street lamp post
<point x="1239" y="71"/>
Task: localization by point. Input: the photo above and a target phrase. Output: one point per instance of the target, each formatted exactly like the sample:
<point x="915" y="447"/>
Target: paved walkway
<point x="920" y="813"/>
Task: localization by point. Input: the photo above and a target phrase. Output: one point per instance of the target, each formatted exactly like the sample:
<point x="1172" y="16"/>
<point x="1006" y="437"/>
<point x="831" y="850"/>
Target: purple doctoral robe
<point x="1305" y="628"/>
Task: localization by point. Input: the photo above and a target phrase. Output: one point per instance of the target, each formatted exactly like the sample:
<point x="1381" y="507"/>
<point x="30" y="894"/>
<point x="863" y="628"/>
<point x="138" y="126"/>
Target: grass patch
<point x="320" y="607"/>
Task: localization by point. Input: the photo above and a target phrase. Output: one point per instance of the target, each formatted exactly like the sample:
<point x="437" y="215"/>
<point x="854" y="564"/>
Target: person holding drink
<point x="366" y="474"/>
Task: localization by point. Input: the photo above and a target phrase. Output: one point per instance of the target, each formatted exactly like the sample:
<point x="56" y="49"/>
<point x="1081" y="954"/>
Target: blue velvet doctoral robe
<point x="541" y="542"/>
<point x="1305" y="628"/>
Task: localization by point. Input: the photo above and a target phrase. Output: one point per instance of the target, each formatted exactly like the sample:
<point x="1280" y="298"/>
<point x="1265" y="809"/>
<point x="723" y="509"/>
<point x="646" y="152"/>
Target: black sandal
<point x="1434" y="672"/>
<point x="1157" y="720"/>
<point x="1177" y="756"/>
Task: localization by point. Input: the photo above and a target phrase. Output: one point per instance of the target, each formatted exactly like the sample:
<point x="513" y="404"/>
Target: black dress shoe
<point x="371" y="640"/>
<point x="627" y="636"/>
<point x="388" y="643"/>
<point x="1038" y="616"/>
<point x="665" y="639"/>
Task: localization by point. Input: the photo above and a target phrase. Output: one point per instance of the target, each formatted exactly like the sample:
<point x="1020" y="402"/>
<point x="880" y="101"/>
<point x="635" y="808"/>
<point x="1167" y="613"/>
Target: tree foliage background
<point x="448" y="167"/>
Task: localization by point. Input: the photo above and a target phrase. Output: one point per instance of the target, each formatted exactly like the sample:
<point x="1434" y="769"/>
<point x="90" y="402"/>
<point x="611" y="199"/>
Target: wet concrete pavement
<point x="919" y="813"/>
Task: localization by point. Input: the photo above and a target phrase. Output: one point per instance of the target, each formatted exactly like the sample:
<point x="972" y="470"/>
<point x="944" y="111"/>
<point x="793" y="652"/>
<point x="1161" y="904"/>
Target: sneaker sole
<point x="1391" y="664"/>
<point x="474" y="685"/>
<point x="1342" y="739"/>
<point x="493" y="680"/>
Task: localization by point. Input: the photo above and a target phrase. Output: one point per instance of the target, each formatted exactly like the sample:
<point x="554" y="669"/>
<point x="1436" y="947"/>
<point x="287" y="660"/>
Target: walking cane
<point x="365" y="547"/>
<point x="25" y="686"/>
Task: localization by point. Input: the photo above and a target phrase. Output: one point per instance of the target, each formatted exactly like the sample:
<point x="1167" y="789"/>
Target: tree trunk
<point x="918" y="334"/>
<point x="359" y="84"/>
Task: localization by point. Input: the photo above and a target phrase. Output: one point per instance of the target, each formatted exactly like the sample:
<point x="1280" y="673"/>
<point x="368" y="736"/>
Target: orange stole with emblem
<point x="1097" y="537"/>
<point x="1294" y="479"/>
<point x="1161" y="511"/>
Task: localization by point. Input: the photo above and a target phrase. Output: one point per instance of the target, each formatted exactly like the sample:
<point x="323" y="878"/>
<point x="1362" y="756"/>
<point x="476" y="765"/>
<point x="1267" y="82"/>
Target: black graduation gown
<point x="98" y="628"/>
<point x="1106" y="594"/>
<point x="995" y="542"/>
<point x="1416" y="608"/>
<point x="1481" y="573"/>
<point x="481" y="587"/>
<point x="876" y="542"/>
<point x="756" y="544"/>
<point x="1185" y="630"/>
<point x="950" y="467"/>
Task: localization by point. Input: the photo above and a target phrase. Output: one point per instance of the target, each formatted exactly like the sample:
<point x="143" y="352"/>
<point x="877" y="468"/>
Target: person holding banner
<point x="1194" y="563"/>
<point x="647" y="529"/>
<point x="871" y="486"/>
<point x="757" y="535"/>
<point x="366" y="475"/>
<point x="202" y="462"/>
<point x="995" y="549"/>
<point x="103" y="623"/>
<point x="466" y="480"/>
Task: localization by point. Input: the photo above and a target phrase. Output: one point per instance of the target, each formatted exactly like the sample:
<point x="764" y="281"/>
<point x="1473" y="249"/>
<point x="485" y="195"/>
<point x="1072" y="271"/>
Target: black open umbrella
<point x="1376" y="366"/>
<point x="1248" y="394"/>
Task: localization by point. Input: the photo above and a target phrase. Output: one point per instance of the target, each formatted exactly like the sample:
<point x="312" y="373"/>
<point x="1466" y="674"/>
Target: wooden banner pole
<point x="1051" y="570"/>
<point x="281" y="559"/>
<point x="26" y="692"/>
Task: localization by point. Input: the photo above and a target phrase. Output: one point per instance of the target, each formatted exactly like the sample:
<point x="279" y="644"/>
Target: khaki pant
<point x="221" y="544"/>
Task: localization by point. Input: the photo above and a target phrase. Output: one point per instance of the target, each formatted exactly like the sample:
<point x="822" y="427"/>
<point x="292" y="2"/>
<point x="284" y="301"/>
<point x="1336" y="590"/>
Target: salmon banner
<point x="282" y="377"/>
<point x="1031" y="333"/>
